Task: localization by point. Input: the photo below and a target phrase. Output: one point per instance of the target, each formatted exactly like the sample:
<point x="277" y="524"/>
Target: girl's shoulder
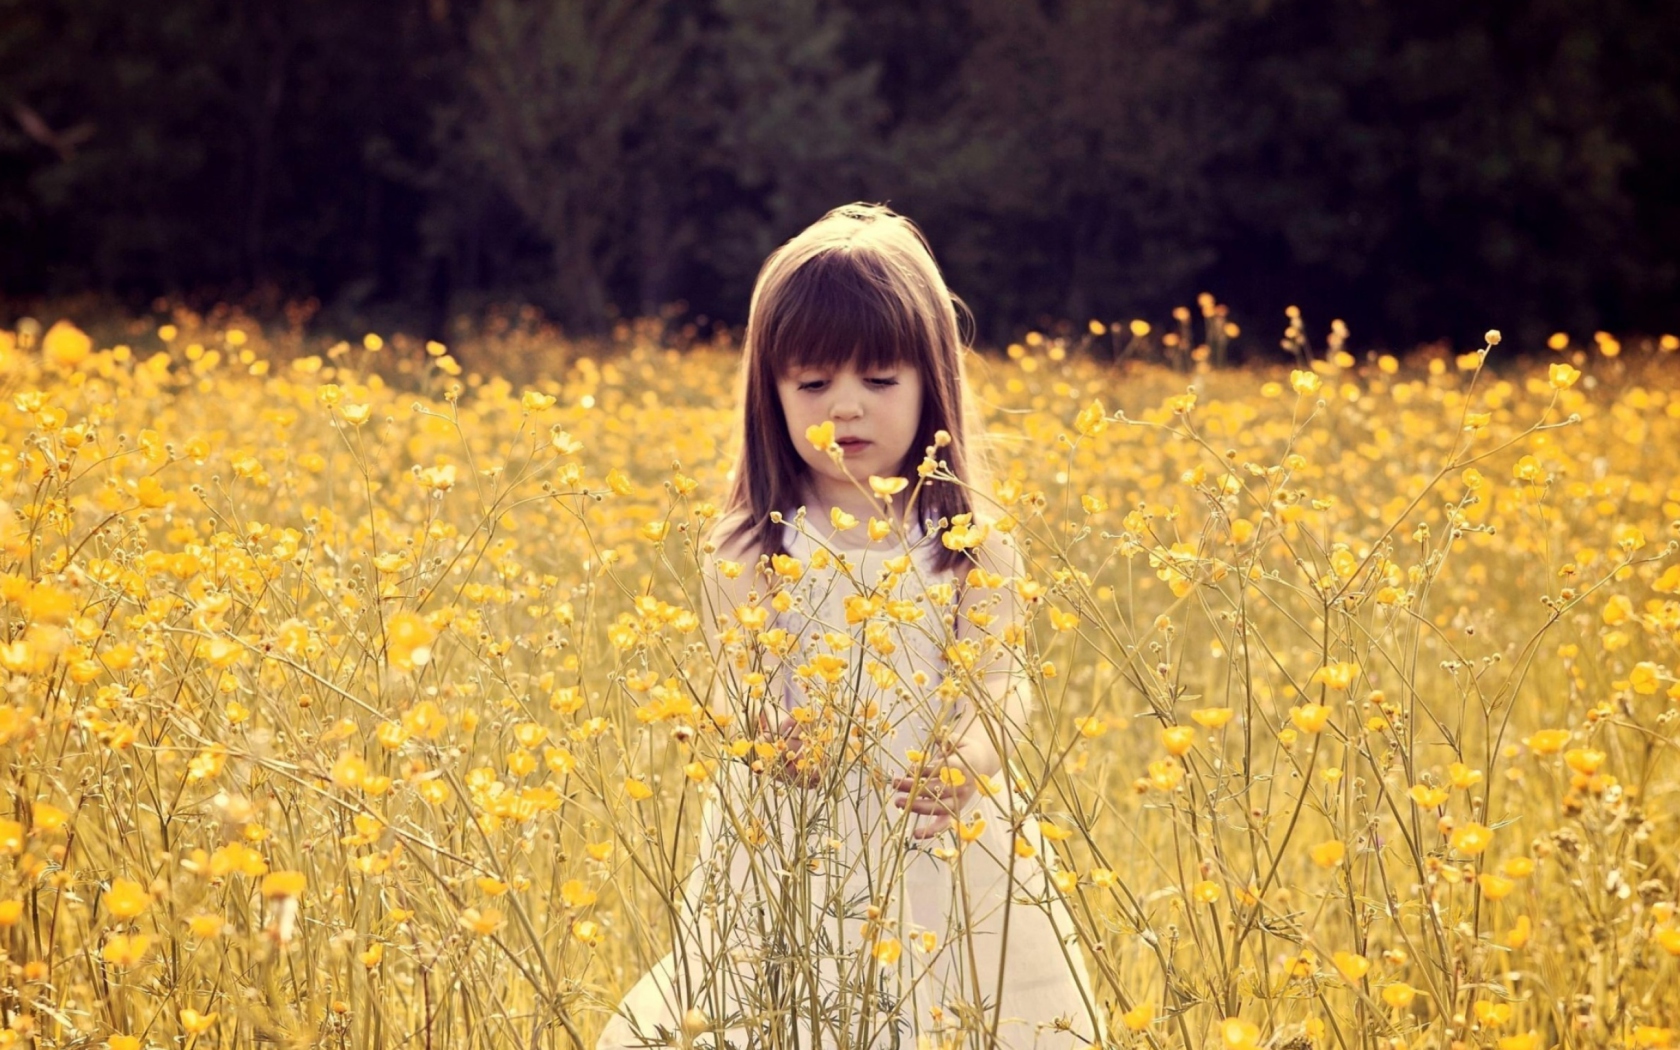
<point x="730" y="539"/>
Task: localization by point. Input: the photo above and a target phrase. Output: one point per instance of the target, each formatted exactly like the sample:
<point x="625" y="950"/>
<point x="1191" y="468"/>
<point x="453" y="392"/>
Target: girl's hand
<point x="944" y="786"/>
<point x="786" y="765"/>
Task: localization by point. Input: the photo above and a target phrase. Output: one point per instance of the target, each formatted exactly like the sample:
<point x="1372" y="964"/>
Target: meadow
<point x="356" y="696"/>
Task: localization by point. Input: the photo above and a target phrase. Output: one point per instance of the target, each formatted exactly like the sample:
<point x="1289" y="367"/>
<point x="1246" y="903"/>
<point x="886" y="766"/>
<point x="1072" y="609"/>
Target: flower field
<point x="360" y="698"/>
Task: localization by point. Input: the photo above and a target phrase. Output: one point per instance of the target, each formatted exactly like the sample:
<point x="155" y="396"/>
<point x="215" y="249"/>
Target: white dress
<point x="812" y="918"/>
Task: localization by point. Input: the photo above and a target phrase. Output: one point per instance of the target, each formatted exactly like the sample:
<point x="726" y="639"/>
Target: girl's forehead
<point x="855" y="363"/>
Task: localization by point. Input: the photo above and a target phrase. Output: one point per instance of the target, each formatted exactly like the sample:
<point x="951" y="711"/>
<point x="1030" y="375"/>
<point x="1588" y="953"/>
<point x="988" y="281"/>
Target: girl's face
<point x="875" y="413"/>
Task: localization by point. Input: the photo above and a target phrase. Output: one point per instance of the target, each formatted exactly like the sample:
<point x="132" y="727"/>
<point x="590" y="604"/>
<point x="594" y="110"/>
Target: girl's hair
<point x="859" y="286"/>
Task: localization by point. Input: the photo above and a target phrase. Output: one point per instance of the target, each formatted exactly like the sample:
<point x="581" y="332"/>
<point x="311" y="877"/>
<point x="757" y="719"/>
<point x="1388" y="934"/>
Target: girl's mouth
<point x="852" y="444"/>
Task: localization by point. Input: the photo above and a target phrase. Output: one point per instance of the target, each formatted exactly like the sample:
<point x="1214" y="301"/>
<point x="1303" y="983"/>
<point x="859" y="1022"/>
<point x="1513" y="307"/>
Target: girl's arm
<point x="994" y="718"/>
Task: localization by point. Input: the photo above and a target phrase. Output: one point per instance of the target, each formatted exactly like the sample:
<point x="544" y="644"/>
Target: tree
<point x="559" y="98"/>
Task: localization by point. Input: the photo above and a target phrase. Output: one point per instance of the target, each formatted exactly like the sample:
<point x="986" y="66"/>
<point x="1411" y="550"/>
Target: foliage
<point x="1417" y="169"/>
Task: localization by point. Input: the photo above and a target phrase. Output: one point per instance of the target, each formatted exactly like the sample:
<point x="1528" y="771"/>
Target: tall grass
<point x="360" y="700"/>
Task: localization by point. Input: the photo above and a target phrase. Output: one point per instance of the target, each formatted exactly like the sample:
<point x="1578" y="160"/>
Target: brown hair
<point x="859" y="286"/>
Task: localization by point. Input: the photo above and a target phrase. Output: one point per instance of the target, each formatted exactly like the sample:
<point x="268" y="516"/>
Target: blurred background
<point x="1422" y="170"/>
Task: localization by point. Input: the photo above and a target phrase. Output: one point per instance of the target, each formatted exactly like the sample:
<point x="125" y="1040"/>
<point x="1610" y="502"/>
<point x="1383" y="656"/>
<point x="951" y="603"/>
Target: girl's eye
<point x="883" y="381"/>
<point x="815" y="384"/>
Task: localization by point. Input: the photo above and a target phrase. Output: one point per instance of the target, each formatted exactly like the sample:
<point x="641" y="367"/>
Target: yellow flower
<point x="820" y="435"/>
<point x="1429" y="797"/>
<point x="576" y="894"/>
<point x="1328" y="854"/>
<point x="1470" y="839"/>
<point x="1492" y="1015"/>
<point x="1310" y="718"/>
<point x="278" y="884"/>
<point x="1238" y="1034"/>
<point x="1547" y="741"/>
<point x="886" y="488"/>
<point x="841" y="520"/>
<point x="1352" y="967"/>
<point x="1399" y="995"/>
<point x="1526" y="1041"/>
<point x="1518" y="867"/>
<point x="1562" y="375"/>
<point x="10" y="912"/>
<point x="195" y="1023"/>
<point x="1139" y="1017"/>
<point x="65" y="345"/>
<point x="1206" y="892"/>
<point x="588" y="931"/>
<point x="1463" y="777"/>
<point x="1092" y="420"/>
<point x="1495" y="887"/>
<point x="1304" y="383"/>
<point x="1178" y="740"/>
<point x="124" y="951"/>
<point x="122" y="1042"/>
<point x="888" y="951"/>
<point x="205" y="926"/>
<point x="127" y="899"/>
<point x="1517" y="936"/>
<point x="1584" y="760"/>
<point x="637" y="790"/>
<point x="1339" y="675"/>
<point x="1211" y="717"/>
<point x="484" y="923"/>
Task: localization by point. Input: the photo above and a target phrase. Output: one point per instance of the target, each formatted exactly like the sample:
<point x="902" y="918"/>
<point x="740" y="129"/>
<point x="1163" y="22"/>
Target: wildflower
<point x="195" y="1023"/>
<point x="588" y="931"/>
<point x="284" y="884"/>
<point x="1429" y="797"/>
<point x="124" y="951"/>
<point x="1517" y="936"/>
<point x="1092" y="420"/>
<point x="65" y="345"/>
<point x="484" y="923"/>
<point x="1310" y="718"/>
<point x="206" y="925"/>
<point x="1399" y="995"/>
<point x="1471" y="839"/>
<point x="1328" y="854"/>
<point x="1304" y="382"/>
<point x="126" y="899"/>
<point x="1238" y="1034"/>
<point x="1178" y="740"/>
<point x="1211" y="717"/>
<point x="886" y="488"/>
<point x="1584" y="760"/>
<point x="1547" y="741"/>
<point x="1351" y="966"/>
<point x="1139" y="1017"/>
<point x="1338" y="675"/>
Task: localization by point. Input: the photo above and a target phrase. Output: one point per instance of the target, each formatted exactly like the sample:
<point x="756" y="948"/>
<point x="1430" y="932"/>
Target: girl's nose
<point x="846" y="408"/>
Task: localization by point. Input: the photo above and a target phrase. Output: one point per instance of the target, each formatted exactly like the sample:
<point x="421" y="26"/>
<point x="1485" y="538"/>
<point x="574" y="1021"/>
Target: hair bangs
<point x="841" y="308"/>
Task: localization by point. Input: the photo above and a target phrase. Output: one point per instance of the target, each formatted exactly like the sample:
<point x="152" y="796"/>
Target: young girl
<point x="866" y="876"/>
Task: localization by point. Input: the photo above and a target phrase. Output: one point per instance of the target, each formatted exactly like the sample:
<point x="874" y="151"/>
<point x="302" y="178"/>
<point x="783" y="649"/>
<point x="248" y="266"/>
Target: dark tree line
<point x="1421" y="169"/>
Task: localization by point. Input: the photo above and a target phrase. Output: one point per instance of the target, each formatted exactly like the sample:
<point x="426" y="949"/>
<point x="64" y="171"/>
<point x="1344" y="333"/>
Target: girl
<point x="866" y="877"/>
